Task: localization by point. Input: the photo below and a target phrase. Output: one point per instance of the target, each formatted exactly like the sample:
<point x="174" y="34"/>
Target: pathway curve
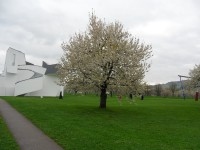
<point x="28" y="136"/>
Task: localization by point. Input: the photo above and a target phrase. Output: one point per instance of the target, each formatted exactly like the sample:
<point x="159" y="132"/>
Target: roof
<point x="28" y="63"/>
<point x="51" y="69"/>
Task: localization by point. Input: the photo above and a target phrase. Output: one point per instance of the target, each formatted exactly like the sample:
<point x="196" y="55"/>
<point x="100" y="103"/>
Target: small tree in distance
<point x="104" y="55"/>
<point x="173" y="87"/>
<point x="158" y="89"/>
<point x="195" y="76"/>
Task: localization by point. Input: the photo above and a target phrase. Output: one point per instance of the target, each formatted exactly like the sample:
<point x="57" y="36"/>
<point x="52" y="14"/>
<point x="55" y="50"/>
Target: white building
<point x="23" y="78"/>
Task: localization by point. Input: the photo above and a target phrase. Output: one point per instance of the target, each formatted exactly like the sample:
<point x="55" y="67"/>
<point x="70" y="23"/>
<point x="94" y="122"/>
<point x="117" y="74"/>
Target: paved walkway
<point x="26" y="134"/>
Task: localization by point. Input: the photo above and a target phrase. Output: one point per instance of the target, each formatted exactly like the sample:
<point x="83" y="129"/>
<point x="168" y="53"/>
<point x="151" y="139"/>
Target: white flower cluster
<point x="104" y="56"/>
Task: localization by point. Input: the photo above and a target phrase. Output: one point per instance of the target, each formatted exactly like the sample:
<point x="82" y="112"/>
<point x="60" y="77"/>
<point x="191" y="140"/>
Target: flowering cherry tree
<point x="104" y="55"/>
<point x="195" y="76"/>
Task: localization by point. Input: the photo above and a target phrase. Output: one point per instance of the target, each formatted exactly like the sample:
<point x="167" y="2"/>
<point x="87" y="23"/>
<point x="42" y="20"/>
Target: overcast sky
<point x="38" y="27"/>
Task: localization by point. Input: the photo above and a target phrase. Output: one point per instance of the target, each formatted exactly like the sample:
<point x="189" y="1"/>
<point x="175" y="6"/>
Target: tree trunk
<point x="103" y="97"/>
<point x="130" y="96"/>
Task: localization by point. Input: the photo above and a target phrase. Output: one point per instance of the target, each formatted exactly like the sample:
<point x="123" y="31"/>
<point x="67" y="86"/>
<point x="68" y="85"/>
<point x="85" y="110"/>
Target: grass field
<point x="76" y="122"/>
<point x="6" y="140"/>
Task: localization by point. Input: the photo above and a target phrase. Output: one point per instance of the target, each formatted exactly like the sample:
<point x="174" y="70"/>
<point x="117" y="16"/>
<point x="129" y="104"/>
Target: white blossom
<point x="105" y="55"/>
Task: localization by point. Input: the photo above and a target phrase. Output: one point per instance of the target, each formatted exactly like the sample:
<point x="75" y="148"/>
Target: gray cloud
<point x="38" y="27"/>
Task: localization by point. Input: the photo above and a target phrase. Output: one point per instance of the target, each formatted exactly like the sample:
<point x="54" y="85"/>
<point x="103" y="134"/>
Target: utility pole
<point x="182" y="86"/>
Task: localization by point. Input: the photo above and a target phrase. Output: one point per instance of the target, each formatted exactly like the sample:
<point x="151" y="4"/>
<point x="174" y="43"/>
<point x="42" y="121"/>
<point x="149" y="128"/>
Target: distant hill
<point x="178" y="83"/>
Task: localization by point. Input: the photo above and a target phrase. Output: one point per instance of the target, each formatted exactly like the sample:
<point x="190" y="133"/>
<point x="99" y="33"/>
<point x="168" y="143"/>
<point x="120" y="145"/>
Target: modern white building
<point x="20" y="77"/>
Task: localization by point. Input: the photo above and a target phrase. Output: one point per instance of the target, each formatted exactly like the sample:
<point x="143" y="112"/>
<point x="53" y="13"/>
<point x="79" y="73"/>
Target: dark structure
<point x="28" y="63"/>
<point x="51" y="69"/>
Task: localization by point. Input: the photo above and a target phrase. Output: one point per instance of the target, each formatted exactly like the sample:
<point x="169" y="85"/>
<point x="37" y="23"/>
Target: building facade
<point x="20" y="77"/>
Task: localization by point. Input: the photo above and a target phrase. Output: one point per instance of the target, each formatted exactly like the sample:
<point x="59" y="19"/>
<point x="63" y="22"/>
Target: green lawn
<point x="76" y="123"/>
<point x="6" y="140"/>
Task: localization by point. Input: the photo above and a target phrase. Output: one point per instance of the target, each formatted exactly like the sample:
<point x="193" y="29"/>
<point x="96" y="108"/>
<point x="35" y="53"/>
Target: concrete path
<point x="26" y="134"/>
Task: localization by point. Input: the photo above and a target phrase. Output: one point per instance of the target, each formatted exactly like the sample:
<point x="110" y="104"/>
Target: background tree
<point x="158" y="89"/>
<point x="148" y="89"/>
<point x="172" y="87"/>
<point x="105" y="54"/>
<point x="195" y="76"/>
